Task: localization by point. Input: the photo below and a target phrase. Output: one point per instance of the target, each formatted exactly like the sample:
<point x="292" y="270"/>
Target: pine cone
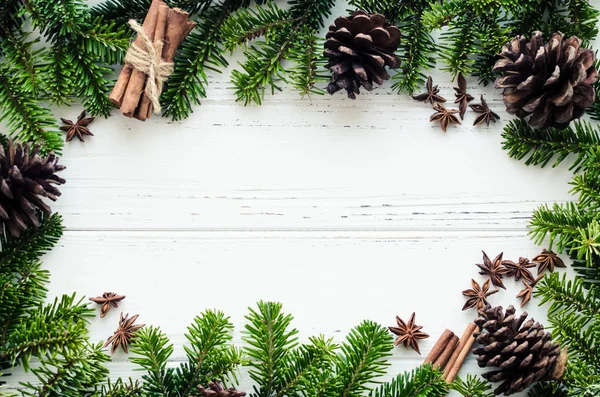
<point x="552" y="82"/>
<point x="26" y="177"/>
<point x="522" y="351"/>
<point x="215" y="389"/>
<point x="359" y="48"/>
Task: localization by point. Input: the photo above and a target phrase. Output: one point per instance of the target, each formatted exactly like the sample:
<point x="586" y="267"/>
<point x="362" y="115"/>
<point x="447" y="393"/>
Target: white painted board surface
<point x="342" y="210"/>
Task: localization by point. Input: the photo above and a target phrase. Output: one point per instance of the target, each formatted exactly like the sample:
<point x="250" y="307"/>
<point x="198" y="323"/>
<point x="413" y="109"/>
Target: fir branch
<point x="61" y="325"/>
<point x="568" y="329"/>
<point x="589" y="275"/>
<point x="121" y="11"/>
<point x="20" y="290"/>
<point x="263" y="66"/>
<point x="472" y="387"/>
<point x="58" y="75"/>
<point x="209" y="355"/>
<point x="118" y="388"/>
<point x="72" y="373"/>
<point x="582" y="379"/>
<point x="569" y="296"/>
<point x="561" y="223"/>
<point x="25" y="119"/>
<point x="201" y="51"/>
<point x="587" y="243"/>
<point x="362" y="359"/>
<point x="417" y="49"/>
<point x="153" y="350"/>
<point x="541" y="146"/>
<point x="309" y="66"/>
<point x="21" y="59"/>
<point x="269" y="340"/>
<point x="33" y="243"/>
<point x="425" y="381"/>
<point x="587" y="187"/>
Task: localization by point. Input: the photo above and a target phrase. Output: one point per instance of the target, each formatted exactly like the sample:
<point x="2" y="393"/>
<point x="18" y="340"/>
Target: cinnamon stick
<point x="439" y="347"/>
<point x="159" y="36"/>
<point x="461" y="352"/>
<point x="138" y="79"/>
<point x="445" y="356"/>
<point x="178" y="27"/>
<point x="116" y="96"/>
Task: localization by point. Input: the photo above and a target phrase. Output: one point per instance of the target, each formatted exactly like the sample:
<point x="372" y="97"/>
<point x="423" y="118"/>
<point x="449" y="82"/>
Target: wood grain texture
<point x="342" y="210"/>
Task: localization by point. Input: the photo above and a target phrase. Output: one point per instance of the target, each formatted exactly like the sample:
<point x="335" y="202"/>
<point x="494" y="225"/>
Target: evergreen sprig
<point x="540" y="147"/>
<point x="424" y="381"/>
<point x="477" y="29"/>
<point x="287" y="33"/>
<point x="473" y="386"/>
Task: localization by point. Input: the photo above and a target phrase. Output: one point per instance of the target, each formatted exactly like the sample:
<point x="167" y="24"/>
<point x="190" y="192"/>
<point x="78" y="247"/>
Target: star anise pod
<point x="477" y="296"/>
<point x="107" y="300"/>
<point x="215" y="389"/>
<point x="409" y="334"/>
<point x="517" y="270"/>
<point x="493" y="269"/>
<point x="124" y="334"/>
<point x="431" y="95"/>
<point x="79" y="128"/>
<point x="548" y="260"/>
<point x="485" y="113"/>
<point x="445" y="116"/>
<point x="462" y="98"/>
<point x="525" y="294"/>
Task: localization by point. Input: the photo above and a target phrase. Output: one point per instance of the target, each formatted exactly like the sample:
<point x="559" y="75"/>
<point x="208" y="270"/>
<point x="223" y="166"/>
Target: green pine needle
<point x="425" y="381"/>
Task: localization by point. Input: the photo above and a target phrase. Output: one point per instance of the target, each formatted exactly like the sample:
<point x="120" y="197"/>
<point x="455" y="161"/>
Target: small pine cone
<point x="521" y="350"/>
<point x="359" y="48"/>
<point x="215" y="389"/>
<point x="25" y="178"/>
<point x="552" y="83"/>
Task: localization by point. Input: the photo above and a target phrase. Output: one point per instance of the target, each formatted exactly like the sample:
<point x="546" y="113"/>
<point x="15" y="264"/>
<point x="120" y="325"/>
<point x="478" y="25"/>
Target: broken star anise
<point x="493" y="269"/>
<point x="124" y="334"/>
<point x="548" y="260"/>
<point x="519" y="270"/>
<point x="79" y="128"/>
<point x="107" y="300"/>
<point x="477" y="296"/>
<point x="525" y="294"/>
<point x="409" y="334"/>
<point x="444" y="116"/>
<point x="485" y="113"/>
<point x="462" y="98"/>
<point x="431" y="96"/>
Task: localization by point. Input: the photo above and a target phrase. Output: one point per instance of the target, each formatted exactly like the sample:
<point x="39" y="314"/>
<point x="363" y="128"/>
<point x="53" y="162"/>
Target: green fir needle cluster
<point x="56" y="333"/>
<point x="572" y="228"/>
<point x="288" y="34"/>
<point x="74" y="62"/>
<point x="477" y="29"/>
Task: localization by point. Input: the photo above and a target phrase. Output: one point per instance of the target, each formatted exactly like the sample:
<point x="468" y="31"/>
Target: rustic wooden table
<point x="342" y="210"/>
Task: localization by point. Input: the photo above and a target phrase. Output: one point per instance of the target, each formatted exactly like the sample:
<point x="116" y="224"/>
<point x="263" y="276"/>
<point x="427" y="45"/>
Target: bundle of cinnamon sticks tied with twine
<point x="449" y="352"/>
<point x="149" y="61"/>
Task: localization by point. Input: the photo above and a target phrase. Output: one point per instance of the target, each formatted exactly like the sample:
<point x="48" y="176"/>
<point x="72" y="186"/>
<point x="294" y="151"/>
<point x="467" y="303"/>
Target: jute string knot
<point x="149" y="61"/>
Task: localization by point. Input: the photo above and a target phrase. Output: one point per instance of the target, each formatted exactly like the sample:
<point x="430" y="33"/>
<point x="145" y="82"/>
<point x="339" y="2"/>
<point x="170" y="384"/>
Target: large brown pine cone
<point x="215" y="389"/>
<point x="552" y="83"/>
<point x="522" y="351"/>
<point x="25" y="178"/>
<point x="359" y="48"/>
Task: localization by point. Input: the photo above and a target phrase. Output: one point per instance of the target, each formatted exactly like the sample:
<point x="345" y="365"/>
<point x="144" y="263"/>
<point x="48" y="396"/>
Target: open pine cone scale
<point x="551" y="82"/>
<point x="359" y="48"/>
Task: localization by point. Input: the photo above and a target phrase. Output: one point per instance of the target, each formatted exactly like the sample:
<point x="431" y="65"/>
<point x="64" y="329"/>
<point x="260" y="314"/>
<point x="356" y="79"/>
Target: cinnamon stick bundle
<point x="460" y="353"/>
<point x="166" y="29"/>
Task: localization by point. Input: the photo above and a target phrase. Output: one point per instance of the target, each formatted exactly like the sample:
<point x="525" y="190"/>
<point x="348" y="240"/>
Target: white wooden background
<point x="342" y="210"/>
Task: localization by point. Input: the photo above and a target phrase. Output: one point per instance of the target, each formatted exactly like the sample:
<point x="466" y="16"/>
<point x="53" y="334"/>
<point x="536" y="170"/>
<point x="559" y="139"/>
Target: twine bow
<point x="149" y="61"/>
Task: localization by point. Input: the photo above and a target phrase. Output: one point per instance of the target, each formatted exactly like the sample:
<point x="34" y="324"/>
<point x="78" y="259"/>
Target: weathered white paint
<point x="342" y="210"/>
